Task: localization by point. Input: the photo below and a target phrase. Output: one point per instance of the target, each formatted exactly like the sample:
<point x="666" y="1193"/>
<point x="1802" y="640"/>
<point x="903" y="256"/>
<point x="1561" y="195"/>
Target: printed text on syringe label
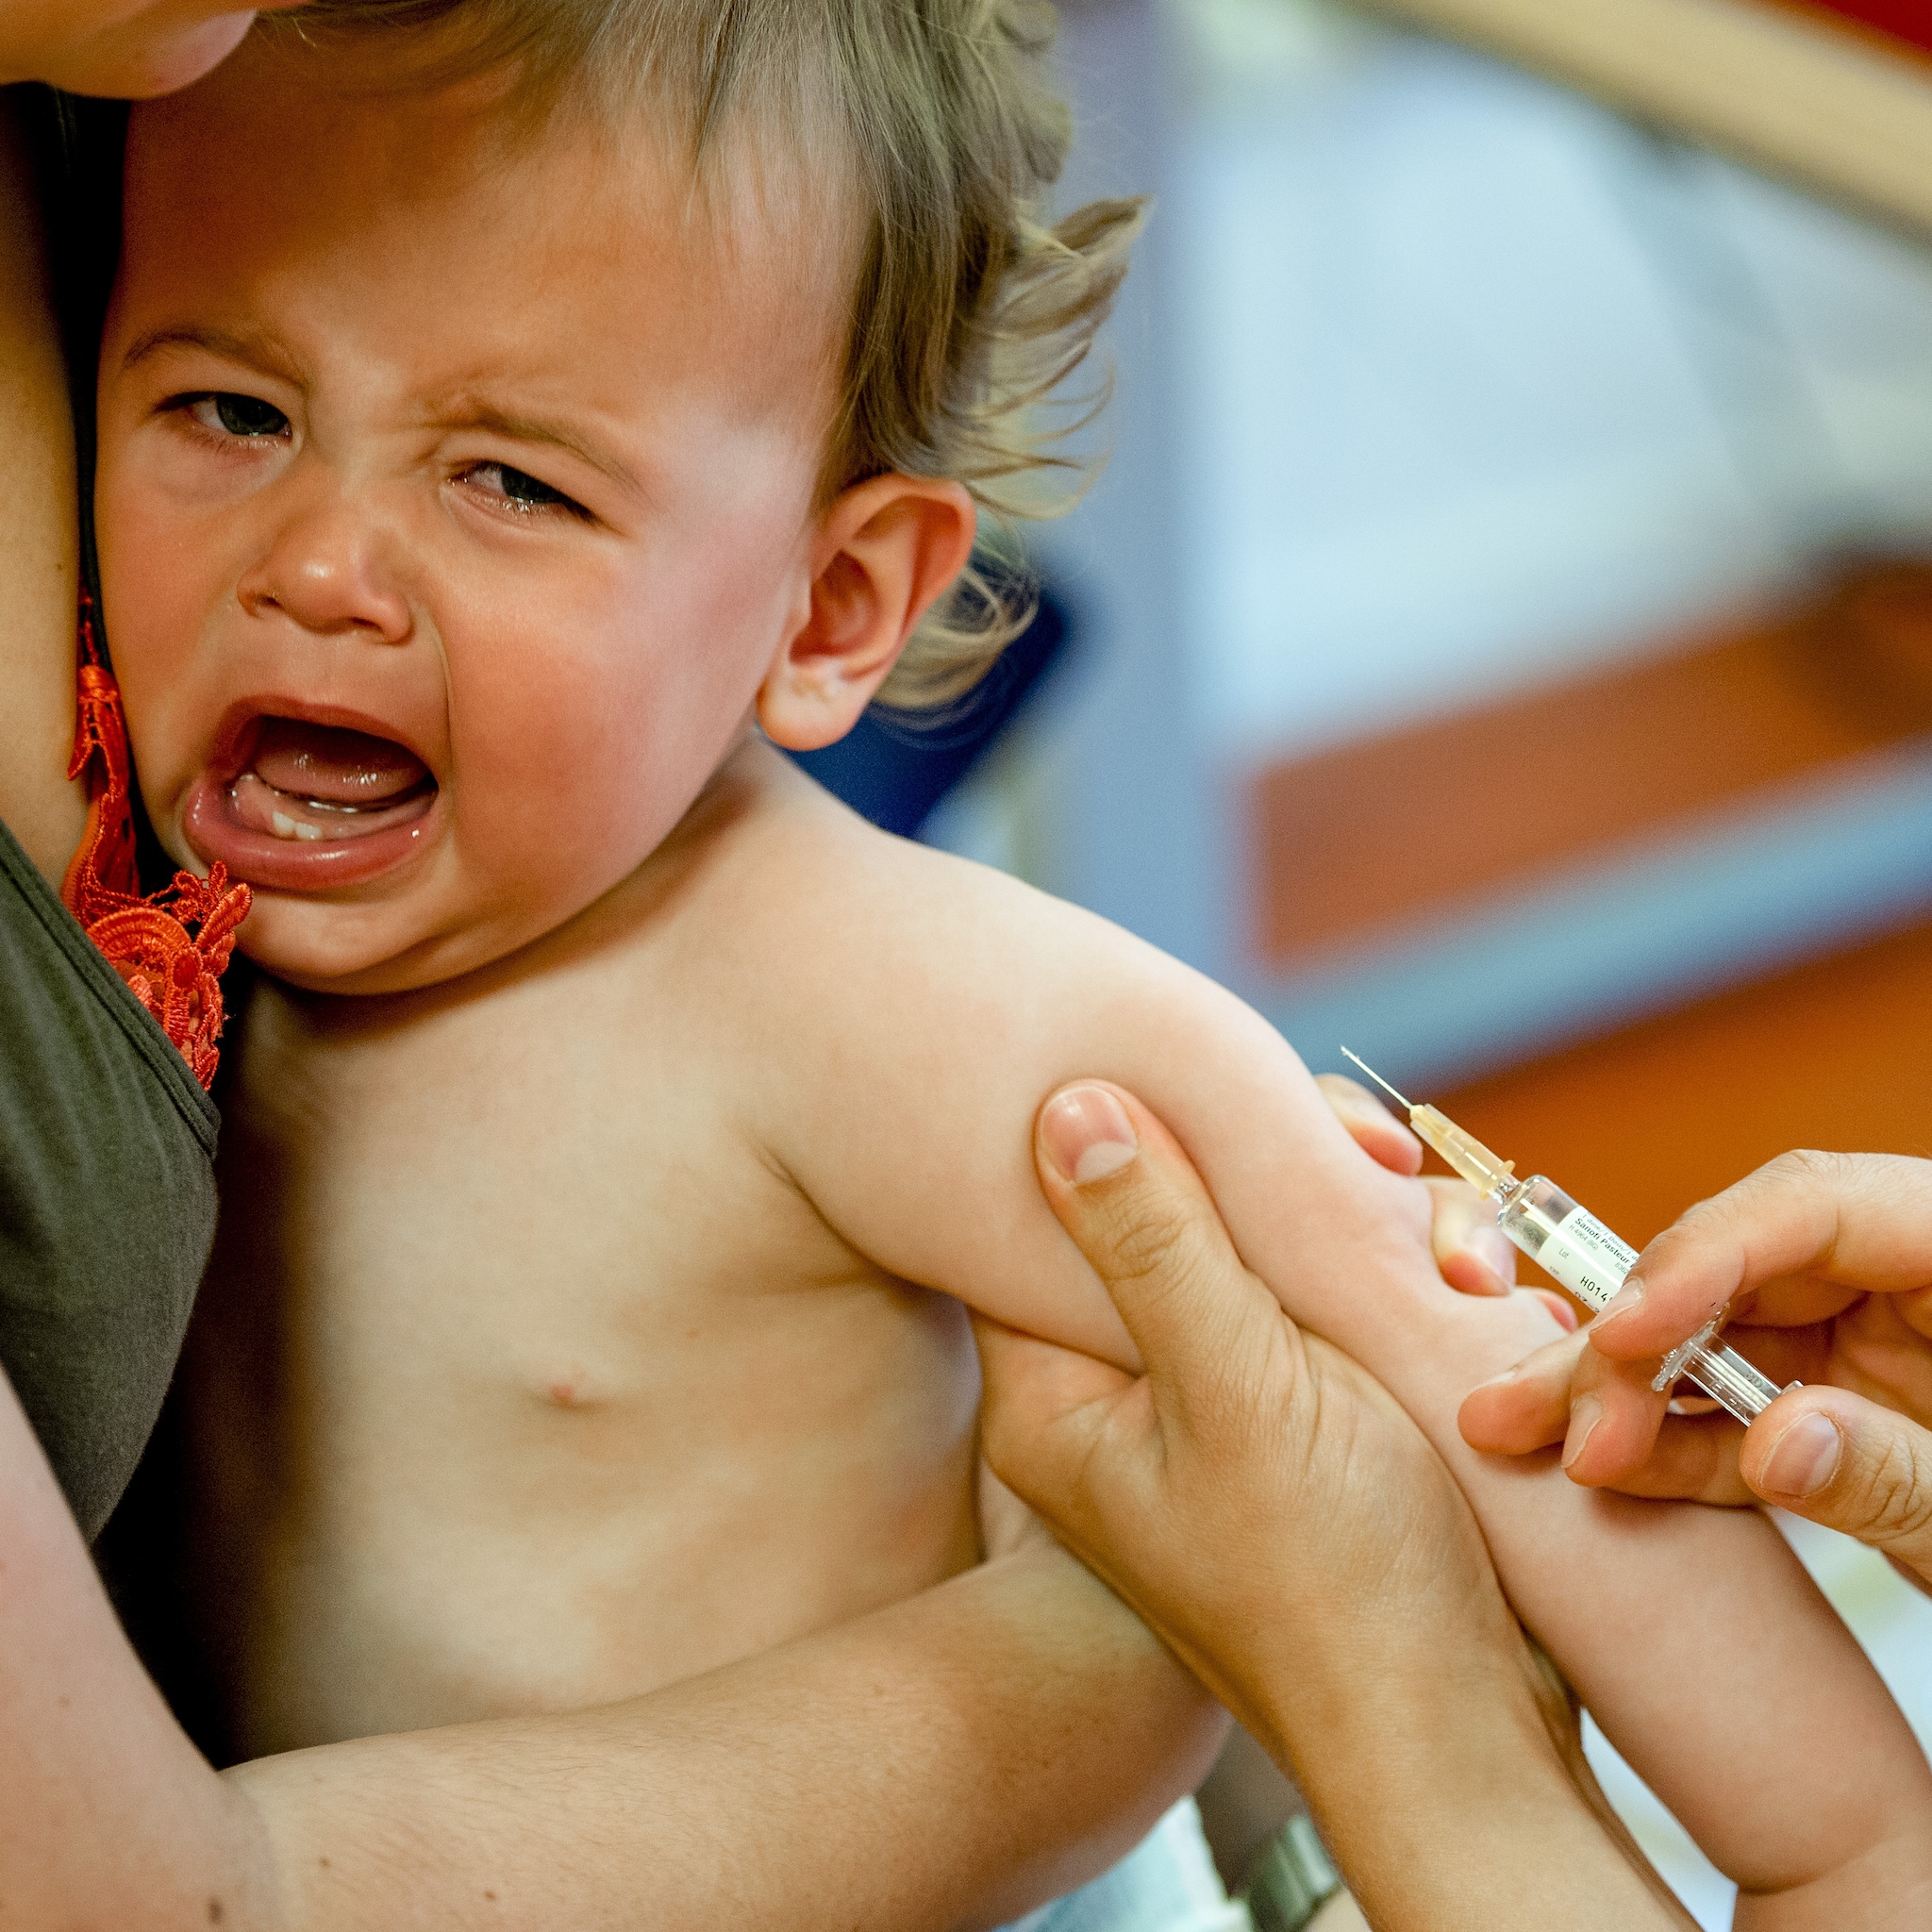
<point x="1583" y="1254"/>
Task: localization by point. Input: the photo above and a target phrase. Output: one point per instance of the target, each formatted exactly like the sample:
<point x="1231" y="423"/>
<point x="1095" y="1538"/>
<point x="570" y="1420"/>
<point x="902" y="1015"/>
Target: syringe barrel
<point x="1567" y="1241"/>
<point x="1571" y="1244"/>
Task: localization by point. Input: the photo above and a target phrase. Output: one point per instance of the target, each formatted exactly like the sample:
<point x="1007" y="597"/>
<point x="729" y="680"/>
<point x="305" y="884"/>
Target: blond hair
<point x="968" y="310"/>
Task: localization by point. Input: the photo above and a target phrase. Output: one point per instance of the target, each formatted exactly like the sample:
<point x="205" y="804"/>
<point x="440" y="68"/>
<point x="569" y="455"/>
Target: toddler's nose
<point x="326" y="572"/>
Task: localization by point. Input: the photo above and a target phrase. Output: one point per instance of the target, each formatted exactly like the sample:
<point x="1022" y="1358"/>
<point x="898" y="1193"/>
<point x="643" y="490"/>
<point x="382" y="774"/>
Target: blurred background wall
<point x="1442" y="390"/>
<point x="1503" y="637"/>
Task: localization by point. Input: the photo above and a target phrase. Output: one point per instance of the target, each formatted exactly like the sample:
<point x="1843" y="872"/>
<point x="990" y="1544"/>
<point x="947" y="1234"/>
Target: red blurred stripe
<point x="1909" y="20"/>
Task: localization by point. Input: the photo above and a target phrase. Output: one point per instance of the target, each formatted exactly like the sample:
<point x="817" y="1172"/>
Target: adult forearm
<point x="945" y="1763"/>
<point x="108" y="1816"/>
<point x="950" y="1762"/>
<point x="1453" y="1799"/>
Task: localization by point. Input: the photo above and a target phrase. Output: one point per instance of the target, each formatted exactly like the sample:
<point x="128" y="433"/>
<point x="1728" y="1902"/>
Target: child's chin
<point x="336" y="949"/>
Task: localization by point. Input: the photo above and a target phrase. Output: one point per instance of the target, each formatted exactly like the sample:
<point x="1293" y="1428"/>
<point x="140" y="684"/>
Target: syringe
<point x="1570" y="1244"/>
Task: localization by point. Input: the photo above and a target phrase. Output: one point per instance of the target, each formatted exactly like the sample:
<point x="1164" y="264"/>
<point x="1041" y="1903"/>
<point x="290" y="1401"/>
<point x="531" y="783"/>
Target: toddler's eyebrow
<point x="539" y="429"/>
<point x="257" y="347"/>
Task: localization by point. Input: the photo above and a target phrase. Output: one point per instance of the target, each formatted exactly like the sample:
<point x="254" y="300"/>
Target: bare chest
<point x="525" y="1380"/>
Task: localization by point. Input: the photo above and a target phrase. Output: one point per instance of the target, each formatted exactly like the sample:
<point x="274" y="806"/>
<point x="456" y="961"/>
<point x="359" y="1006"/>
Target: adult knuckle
<point x="1894" y="1491"/>
<point x="1816" y="1164"/>
<point x="1149" y="1241"/>
<point x="1813" y="1175"/>
<point x="1702" y="1222"/>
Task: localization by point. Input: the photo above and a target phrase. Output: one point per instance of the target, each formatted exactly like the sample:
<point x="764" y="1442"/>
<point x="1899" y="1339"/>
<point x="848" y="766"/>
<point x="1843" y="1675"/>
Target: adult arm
<point x="38" y="582"/>
<point x="938" y="1764"/>
<point x="1824" y="1262"/>
<point x="1275" y="1515"/>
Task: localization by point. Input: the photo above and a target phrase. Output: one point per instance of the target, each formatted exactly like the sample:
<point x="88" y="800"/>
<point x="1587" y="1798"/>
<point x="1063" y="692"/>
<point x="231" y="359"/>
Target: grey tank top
<point x="106" y="1194"/>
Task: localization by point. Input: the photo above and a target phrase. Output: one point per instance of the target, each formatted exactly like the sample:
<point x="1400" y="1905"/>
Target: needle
<point x="1378" y="1079"/>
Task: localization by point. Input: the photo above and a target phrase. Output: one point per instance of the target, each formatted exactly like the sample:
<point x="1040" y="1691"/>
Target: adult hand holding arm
<point x="1275" y="1516"/>
<point x="1825" y="1263"/>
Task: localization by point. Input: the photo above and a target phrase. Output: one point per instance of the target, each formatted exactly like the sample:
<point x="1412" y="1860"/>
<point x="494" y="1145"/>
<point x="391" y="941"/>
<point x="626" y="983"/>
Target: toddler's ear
<point x="884" y="551"/>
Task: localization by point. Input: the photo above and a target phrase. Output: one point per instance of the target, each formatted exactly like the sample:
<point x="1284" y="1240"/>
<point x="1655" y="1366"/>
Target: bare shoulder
<point x="842" y="925"/>
<point x="38" y="583"/>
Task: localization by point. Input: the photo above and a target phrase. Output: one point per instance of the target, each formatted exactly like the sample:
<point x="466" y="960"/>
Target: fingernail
<point x="1804" y="1459"/>
<point x="1585" y="1413"/>
<point x="1490" y="1246"/>
<point x="1088" y="1135"/>
<point x="1625" y="1298"/>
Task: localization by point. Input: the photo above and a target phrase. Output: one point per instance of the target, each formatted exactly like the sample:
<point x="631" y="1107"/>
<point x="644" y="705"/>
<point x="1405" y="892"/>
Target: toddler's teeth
<point x="282" y="824"/>
<point x="309" y="832"/>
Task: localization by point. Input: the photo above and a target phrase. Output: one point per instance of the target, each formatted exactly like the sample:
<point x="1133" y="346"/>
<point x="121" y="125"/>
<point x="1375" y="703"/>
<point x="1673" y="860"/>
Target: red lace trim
<point x="173" y="971"/>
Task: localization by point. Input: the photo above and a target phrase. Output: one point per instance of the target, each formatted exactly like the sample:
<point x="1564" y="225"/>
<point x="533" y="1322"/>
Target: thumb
<point x="1139" y="1212"/>
<point x="1838" y="1460"/>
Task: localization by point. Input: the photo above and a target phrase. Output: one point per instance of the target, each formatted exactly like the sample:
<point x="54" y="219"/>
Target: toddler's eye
<point x="233" y="414"/>
<point x="519" y="490"/>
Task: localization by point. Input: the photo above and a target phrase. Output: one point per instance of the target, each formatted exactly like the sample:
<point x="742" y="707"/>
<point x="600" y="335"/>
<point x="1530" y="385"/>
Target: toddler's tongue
<point x="333" y="766"/>
<point x="322" y="782"/>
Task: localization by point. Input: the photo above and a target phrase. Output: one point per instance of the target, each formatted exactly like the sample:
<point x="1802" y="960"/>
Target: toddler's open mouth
<point x="300" y="807"/>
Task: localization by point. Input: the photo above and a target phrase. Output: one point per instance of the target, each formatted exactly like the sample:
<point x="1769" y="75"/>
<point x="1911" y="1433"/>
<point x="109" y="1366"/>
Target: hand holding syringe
<point x="1572" y="1244"/>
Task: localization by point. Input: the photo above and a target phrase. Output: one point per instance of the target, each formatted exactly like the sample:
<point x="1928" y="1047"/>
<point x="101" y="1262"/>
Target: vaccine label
<point x="1586" y="1258"/>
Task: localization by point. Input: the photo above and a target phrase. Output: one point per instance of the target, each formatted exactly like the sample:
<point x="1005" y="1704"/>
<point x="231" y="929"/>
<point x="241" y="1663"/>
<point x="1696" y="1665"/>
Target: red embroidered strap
<point x="175" y="971"/>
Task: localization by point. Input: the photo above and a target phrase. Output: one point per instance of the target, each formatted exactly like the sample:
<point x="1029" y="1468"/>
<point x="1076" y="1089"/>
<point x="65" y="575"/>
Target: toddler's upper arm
<point x="945" y="1030"/>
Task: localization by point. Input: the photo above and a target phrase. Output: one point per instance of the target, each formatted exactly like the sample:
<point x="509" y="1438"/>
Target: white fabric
<point x="1168" y="1883"/>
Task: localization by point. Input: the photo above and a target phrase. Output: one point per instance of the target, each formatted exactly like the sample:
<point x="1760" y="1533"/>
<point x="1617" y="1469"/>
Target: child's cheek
<point x="573" y="756"/>
<point x="587" y="718"/>
<point x="158" y="586"/>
